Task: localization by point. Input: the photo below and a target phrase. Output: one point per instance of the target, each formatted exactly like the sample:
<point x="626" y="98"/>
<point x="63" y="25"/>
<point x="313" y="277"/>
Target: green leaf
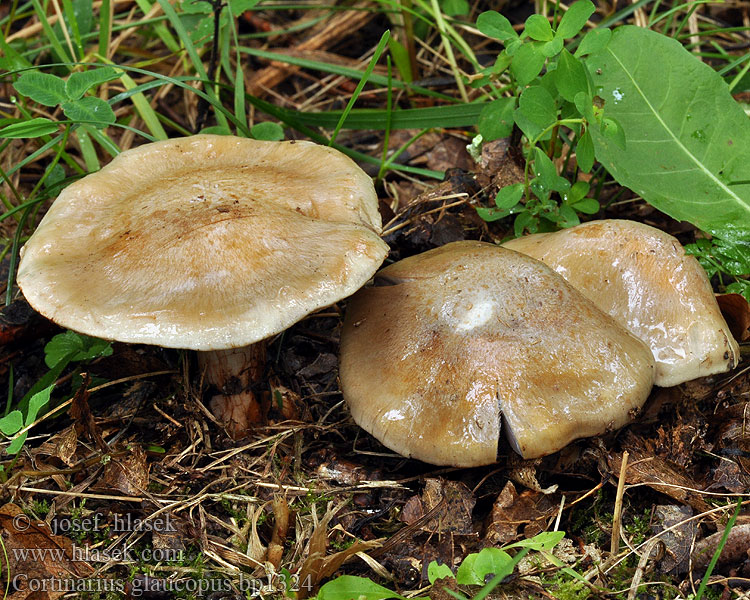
<point x="509" y="196"/>
<point x="268" y="131"/>
<point x="742" y="286"/>
<point x="496" y="119"/>
<point x="587" y="206"/>
<point x="350" y="587"/>
<point x="613" y="131"/>
<point x="585" y="152"/>
<point x="570" y="76"/>
<point x="11" y="423"/>
<point x="567" y="216"/>
<point x="553" y="47"/>
<point x="455" y="8"/>
<point x="538" y="28"/>
<point x="400" y="56"/>
<point x="688" y="141"/>
<point x="79" y="83"/>
<point x="523" y="222"/>
<point x="574" y="19"/>
<point x="436" y="571"/>
<point x="495" y="25"/>
<point x="537" y="106"/>
<point x="43" y="88"/>
<point x="91" y="110"/>
<point x="489" y="561"/>
<point x="546" y="540"/>
<point x="74" y="347"/>
<point x="546" y="172"/>
<point x="594" y="41"/>
<point x="36" y="403"/>
<point x="240" y="6"/>
<point x="576" y="193"/>
<point x="527" y="63"/>
<point x="30" y="128"/>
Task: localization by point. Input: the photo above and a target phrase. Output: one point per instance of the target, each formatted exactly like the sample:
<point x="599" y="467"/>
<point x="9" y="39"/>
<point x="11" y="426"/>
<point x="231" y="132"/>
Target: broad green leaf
<point x="527" y="63"/>
<point x="538" y="28"/>
<point x="75" y="347"/>
<point x="268" y="131"/>
<point x="43" y="88"/>
<point x="437" y="571"/>
<point x="613" y="131"/>
<point x="587" y="206"/>
<point x="574" y="19"/>
<point x="89" y="110"/>
<point x="576" y="193"/>
<point x="537" y="107"/>
<point x="496" y="119"/>
<point x="567" y="216"/>
<point x="79" y="83"/>
<point x="688" y="141"/>
<point x="31" y="128"/>
<point x="489" y="561"/>
<point x="509" y="196"/>
<point x="11" y="423"/>
<point x="495" y="214"/>
<point x="240" y="6"/>
<point x="495" y="25"/>
<point x="585" y="152"/>
<point x="593" y="41"/>
<point x="570" y="76"/>
<point x="454" y="8"/>
<point x="350" y="587"/>
<point x="523" y="222"/>
<point x="742" y="287"/>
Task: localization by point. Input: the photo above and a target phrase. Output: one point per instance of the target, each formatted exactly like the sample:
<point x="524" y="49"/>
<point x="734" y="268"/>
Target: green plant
<point x="60" y="351"/>
<point x="727" y="256"/>
<point x="670" y="131"/>
<point x="475" y="569"/>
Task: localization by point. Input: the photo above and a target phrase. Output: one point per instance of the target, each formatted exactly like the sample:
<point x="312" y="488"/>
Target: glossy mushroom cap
<point x="448" y="340"/>
<point x="642" y="277"/>
<point x="205" y="242"/>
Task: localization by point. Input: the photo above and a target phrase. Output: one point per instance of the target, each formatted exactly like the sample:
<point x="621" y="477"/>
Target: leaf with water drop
<point x="687" y="141"/>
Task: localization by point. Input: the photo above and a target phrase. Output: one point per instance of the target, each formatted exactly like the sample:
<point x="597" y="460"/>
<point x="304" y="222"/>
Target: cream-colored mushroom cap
<point x="642" y="277"/>
<point x="447" y="341"/>
<point x="204" y="242"/>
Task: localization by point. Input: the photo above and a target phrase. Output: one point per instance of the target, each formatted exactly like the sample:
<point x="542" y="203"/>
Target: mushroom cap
<point x="449" y="339"/>
<point x="204" y="242"/>
<point x="642" y="277"/>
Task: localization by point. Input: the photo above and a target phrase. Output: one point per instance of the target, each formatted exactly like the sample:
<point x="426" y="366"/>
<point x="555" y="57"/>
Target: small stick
<point x="617" y="517"/>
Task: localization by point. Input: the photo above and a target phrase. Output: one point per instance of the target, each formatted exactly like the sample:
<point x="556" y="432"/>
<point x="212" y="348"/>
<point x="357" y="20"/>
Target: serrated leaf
<point x="437" y="571"/>
<point x="43" y="88"/>
<point x="91" y="110"/>
<point x="268" y="131"/>
<point x="574" y="19"/>
<point x="688" y="141"/>
<point x="496" y="119"/>
<point x="594" y="41"/>
<point x="585" y="152"/>
<point x="30" y="128"/>
<point x="509" y="196"/>
<point x="79" y="83"/>
<point x="11" y="423"/>
<point x="492" y="24"/>
<point x="538" y="28"/>
<point x="528" y="61"/>
<point x="570" y="76"/>
<point x="351" y="587"/>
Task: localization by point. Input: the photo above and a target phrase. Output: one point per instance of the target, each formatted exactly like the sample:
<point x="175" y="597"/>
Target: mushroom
<point x="642" y="277"/>
<point x="208" y="243"/>
<point x="448" y="340"/>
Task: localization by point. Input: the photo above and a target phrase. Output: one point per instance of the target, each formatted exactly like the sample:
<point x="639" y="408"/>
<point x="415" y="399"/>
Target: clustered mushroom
<point x="208" y="243"/>
<point x="642" y="277"/>
<point x="447" y="341"/>
<point x="215" y="243"/>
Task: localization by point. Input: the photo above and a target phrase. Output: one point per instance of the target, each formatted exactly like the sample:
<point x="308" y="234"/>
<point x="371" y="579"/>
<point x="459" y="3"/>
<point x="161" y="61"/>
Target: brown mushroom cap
<point x="205" y="242"/>
<point x="448" y="340"/>
<point x="642" y="277"/>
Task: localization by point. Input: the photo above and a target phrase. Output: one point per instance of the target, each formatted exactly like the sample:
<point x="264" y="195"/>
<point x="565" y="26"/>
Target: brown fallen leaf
<point x="81" y="414"/>
<point x="61" y="445"/>
<point x="281" y="516"/>
<point x="511" y="511"/>
<point x="41" y="565"/>
<point x="456" y="502"/>
<point x="736" y="548"/>
<point x="678" y="537"/>
<point x="127" y="474"/>
<point x="736" y="311"/>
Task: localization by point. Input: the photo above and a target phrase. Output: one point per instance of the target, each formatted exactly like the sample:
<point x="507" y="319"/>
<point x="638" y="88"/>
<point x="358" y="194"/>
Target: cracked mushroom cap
<point x="642" y="277"/>
<point x="204" y="242"/>
<point x="448" y="340"/>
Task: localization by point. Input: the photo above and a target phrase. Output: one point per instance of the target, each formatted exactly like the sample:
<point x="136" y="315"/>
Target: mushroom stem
<point x="233" y="372"/>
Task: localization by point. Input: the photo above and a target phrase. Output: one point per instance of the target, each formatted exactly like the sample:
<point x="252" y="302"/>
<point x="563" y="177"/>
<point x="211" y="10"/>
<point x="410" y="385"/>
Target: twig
<point x="614" y="547"/>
